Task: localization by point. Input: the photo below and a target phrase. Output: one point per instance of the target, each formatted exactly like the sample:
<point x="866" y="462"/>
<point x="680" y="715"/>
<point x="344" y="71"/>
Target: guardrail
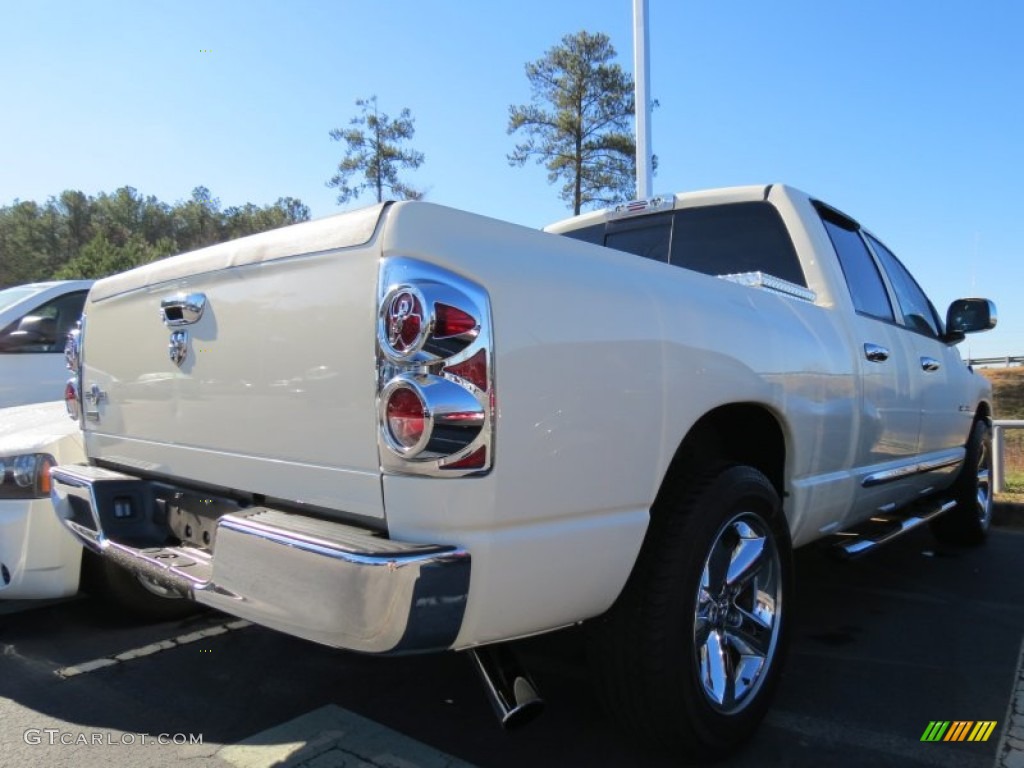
<point x="998" y="448"/>
<point x="1007" y="360"/>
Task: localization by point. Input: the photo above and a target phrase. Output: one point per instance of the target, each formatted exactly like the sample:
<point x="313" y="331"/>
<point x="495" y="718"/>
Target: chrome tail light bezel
<point x="459" y="415"/>
<point x="73" y="348"/>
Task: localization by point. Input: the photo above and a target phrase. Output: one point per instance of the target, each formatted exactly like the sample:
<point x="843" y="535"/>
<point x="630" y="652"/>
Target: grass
<point x="1013" y="492"/>
<point x="1008" y="395"/>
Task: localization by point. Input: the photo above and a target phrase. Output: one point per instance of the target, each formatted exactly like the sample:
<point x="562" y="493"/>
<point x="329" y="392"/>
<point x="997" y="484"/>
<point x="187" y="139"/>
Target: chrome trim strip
<point x="890" y="475"/>
<point x="771" y="283"/>
<point x="328" y="582"/>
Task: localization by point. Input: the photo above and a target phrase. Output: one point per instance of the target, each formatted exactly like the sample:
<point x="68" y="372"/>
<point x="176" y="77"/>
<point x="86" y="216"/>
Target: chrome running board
<point x="883" y="528"/>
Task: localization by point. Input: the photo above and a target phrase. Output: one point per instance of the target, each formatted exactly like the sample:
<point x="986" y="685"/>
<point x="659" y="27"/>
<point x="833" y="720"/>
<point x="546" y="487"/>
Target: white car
<point x="38" y="559"/>
<point x="34" y="323"/>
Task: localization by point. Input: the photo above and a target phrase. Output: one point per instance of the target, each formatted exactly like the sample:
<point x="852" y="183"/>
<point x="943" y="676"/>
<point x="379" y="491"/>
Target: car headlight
<point x="25" y="476"/>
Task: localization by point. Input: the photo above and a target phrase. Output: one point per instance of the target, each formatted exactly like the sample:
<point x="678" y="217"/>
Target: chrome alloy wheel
<point x="983" y="488"/>
<point x="738" y="613"/>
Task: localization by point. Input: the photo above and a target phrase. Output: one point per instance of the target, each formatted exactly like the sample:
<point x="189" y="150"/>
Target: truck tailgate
<point x="269" y="390"/>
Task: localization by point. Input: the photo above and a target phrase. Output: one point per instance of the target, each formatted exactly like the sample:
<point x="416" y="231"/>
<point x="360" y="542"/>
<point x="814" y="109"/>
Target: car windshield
<point x="11" y="296"/>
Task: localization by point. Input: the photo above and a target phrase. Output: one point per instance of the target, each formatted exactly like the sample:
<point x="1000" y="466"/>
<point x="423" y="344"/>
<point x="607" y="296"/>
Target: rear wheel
<point x="690" y="654"/>
<point x="968" y="522"/>
<point x="141" y="599"/>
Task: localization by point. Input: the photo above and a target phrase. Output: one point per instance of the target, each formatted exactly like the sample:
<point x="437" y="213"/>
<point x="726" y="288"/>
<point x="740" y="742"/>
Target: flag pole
<point x="641" y="77"/>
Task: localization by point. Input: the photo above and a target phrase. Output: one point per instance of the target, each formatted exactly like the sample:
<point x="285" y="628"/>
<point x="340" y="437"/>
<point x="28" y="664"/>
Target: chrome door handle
<point x="876" y="353"/>
<point x="182" y="309"/>
<point x="930" y="364"/>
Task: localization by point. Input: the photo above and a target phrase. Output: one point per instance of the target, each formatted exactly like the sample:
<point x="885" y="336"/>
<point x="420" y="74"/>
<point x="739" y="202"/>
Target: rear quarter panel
<point x="603" y="362"/>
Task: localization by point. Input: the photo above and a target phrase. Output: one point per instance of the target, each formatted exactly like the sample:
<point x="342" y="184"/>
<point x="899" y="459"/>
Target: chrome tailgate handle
<point x="876" y="353"/>
<point x="183" y="309"/>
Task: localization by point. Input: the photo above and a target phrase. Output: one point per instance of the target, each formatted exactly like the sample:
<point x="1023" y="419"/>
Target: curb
<point x="1010" y="753"/>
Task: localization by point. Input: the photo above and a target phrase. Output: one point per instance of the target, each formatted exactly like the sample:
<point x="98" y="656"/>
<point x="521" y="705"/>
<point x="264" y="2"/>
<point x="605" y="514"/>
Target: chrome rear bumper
<point x="332" y="583"/>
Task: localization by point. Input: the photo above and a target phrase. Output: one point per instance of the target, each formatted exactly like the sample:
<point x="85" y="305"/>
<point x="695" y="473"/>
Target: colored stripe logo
<point x="959" y="730"/>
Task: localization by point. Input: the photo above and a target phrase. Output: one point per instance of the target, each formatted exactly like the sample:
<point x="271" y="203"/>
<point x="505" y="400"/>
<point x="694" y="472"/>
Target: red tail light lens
<point x="406" y="417"/>
<point x="475" y="460"/>
<point x="473" y="370"/>
<point x="71" y="400"/>
<point x="452" y="321"/>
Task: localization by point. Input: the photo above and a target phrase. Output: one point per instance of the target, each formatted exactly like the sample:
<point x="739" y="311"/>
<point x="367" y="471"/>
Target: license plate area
<point x="192" y="517"/>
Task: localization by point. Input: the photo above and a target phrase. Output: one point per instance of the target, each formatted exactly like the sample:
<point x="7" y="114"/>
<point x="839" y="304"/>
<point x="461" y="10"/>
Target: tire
<point x="687" y="658"/>
<point x="127" y="592"/>
<point x="968" y="522"/>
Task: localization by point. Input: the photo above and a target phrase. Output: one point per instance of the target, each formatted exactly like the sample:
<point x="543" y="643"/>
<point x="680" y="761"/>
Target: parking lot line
<point x="1010" y="753"/>
<point x="332" y="736"/>
<point x="149" y="650"/>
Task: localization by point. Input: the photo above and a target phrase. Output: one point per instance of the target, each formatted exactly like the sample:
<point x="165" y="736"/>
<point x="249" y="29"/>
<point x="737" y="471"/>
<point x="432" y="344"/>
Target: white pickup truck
<point x="409" y="428"/>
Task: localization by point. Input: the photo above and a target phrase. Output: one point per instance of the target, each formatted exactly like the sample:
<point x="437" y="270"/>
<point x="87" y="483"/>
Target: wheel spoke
<point x="716" y="568"/>
<point x="746" y="557"/>
<point x="715" y="667"/>
<point x="753" y="634"/>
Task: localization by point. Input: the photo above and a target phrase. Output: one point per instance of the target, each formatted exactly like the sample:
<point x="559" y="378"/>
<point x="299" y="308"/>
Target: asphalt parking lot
<point x="882" y="646"/>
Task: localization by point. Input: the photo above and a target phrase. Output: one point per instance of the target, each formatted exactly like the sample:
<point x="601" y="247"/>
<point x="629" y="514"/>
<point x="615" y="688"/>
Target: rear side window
<point x="862" y="278"/>
<point x="714" y="239"/>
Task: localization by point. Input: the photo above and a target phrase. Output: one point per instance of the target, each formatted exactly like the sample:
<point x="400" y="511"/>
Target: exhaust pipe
<point x="511" y="691"/>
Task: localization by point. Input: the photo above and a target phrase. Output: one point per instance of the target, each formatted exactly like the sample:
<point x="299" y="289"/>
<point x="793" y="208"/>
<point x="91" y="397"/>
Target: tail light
<point x="71" y="400"/>
<point x="434" y="372"/>
<point x="73" y="361"/>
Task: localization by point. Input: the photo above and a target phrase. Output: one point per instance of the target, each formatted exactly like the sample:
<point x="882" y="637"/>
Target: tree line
<point x="74" y="235"/>
<point x="577" y="125"/>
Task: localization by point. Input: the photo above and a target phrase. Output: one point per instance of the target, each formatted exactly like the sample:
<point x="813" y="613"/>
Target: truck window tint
<point x="592" y="234"/>
<point x="918" y="313"/>
<point x="861" y="272"/>
<point x="646" y="236"/>
<point x="733" y="239"/>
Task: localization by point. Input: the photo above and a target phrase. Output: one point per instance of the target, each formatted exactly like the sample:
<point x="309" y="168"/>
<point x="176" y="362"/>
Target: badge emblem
<point x="177" y="349"/>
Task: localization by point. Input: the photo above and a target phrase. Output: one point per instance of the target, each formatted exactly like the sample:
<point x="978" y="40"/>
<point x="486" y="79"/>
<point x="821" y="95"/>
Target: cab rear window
<point x="715" y="240"/>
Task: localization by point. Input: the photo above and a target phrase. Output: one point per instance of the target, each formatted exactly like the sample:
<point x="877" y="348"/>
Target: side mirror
<point x="969" y="316"/>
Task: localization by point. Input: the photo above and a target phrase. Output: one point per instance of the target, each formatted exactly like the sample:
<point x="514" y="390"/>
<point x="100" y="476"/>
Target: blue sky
<point x="907" y="115"/>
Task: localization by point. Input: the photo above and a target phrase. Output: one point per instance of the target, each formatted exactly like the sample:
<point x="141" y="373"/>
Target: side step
<point x="883" y="528"/>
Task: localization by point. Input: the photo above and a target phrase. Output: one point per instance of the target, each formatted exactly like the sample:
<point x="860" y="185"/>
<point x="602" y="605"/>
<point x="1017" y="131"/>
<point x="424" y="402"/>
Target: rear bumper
<point x="328" y="582"/>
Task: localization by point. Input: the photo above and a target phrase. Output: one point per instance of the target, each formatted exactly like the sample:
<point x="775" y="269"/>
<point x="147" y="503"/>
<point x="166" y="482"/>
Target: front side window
<point x="918" y="313"/>
<point x="862" y="277"/>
